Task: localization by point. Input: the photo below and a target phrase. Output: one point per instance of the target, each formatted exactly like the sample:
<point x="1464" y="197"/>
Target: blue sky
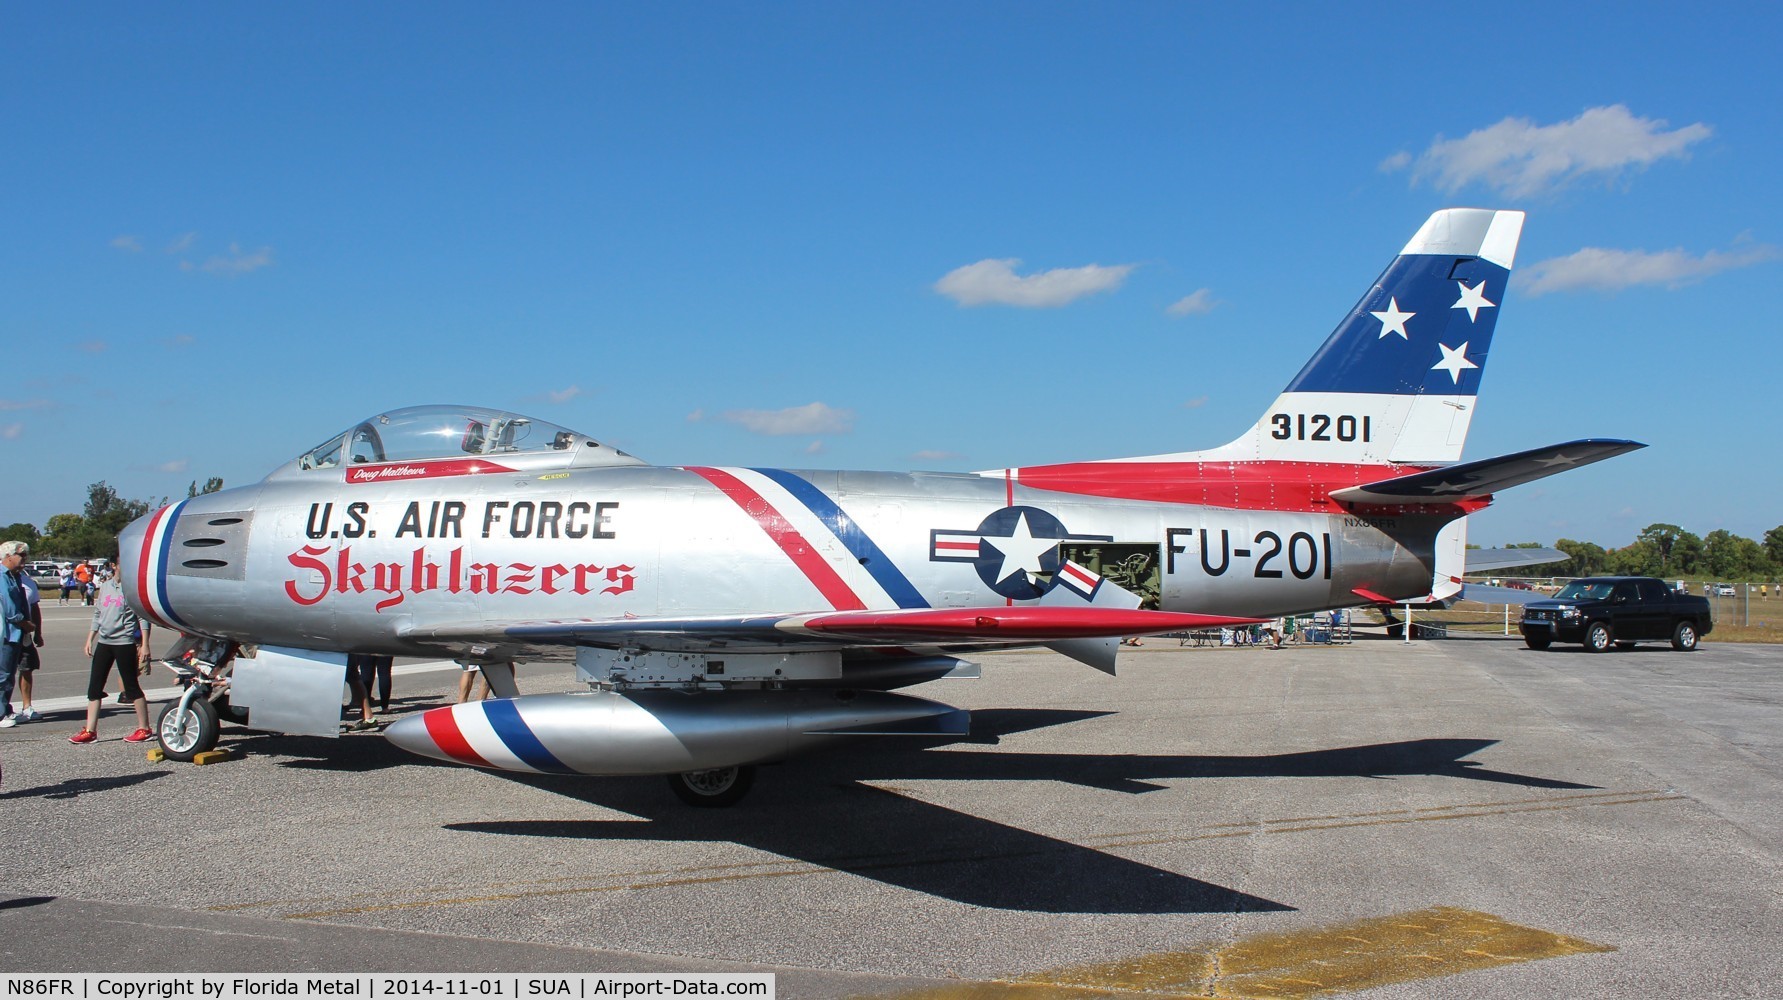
<point x="719" y="233"/>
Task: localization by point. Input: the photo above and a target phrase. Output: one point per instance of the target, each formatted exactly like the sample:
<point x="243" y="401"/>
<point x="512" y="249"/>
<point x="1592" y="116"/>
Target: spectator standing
<point x="378" y="667"/>
<point x="358" y="697"/>
<point x="119" y="639"/>
<point x="67" y="584"/>
<point x="1271" y="633"/>
<point x="83" y="578"/>
<point x="16" y="626"/>
<point x="468" y="675"/>
<point x="27" y="668"/>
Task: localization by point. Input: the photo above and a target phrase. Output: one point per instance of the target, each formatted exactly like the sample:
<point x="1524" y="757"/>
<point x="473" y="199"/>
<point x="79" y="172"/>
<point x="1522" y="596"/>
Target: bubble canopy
<point x="471" y="437"/>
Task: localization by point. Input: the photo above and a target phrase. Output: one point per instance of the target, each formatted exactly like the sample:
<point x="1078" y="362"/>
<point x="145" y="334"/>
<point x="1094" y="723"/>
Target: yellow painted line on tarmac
<point x="1294" y="965"/>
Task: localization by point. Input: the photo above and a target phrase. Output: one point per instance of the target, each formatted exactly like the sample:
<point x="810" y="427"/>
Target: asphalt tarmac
<point x="1446" y="818"/>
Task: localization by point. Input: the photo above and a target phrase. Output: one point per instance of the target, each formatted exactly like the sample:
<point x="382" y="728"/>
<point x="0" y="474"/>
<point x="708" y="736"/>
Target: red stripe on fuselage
<point x="1286" y="486"/>
<point x="442" y="727"/>
<point x="143" y="573"/>
<point x="803" y="554"/>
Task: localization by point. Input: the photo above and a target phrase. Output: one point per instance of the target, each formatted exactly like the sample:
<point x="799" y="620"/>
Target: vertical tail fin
<point x="1398" y="378"/>
<point x="1395" y="383"/>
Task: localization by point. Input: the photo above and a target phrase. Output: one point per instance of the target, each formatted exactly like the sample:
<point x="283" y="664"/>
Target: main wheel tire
<point x="1598" y="637"/>
<point x="713" y="789"/>
<point x="184" y="735"/>
<point x="1684" y="637"/>
<point x="1537" y="641"/>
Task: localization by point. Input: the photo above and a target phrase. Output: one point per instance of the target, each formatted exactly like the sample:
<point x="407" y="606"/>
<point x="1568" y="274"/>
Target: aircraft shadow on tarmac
<point x="76" y="787"/>
<point x="818" y="811"/>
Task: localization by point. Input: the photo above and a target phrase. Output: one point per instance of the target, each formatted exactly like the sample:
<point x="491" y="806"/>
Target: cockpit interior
<point x="440" y="433"/>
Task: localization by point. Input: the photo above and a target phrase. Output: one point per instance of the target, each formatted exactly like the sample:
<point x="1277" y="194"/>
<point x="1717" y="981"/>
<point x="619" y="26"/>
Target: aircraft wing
<point x="1477" y="480"/>
<point x="989" y="626"/>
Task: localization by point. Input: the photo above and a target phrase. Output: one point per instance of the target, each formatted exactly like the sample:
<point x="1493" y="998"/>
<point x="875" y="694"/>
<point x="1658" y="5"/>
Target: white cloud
<point x="92" y="347"/>
<point x="177" y="465"/>
<point x="1597" y="269"/>
<point x="812" y="418"/>
<point x="1195" y="404"/>
<point x="11" y="432"/>
<point x="994" y="282"/>
<point x="933" y="455"/>
<point x="1519" y="158"/>
<point x="1195" y="304"/>
<point x="1398" y="161"/>
<point x="179" y="340"/>
<point x="564" y="395"/>
<point x="815" y="448"/>
<point x="127" y="243"/>
<point x="234" y="263"/>
<point x="696" y="416"/>
<point x="182" y="243"/>
<point x="23" y="404"/>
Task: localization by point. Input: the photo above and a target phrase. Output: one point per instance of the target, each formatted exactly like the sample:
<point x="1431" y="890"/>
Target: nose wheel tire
<point x="713" y="789"/>
<point x="1684" y="637"/>
<point x="186" y="734"/>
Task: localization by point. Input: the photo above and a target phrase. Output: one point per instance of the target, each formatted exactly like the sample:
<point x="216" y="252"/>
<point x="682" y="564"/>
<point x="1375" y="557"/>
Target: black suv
<point x="1622" y="610"/>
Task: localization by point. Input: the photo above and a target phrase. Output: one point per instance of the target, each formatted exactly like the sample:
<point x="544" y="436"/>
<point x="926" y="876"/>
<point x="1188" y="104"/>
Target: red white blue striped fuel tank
<point x="662" y="731"/>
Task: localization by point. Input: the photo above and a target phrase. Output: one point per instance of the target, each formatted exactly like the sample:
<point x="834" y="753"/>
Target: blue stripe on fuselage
<point x="162" y="553"/>
<point x="513" y="731"/>
<point x="864" y="549"/>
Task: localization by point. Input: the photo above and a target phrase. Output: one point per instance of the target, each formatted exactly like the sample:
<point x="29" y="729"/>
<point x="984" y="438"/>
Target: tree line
<point x="1669" y="552"/>
<point x="93" y="533"/>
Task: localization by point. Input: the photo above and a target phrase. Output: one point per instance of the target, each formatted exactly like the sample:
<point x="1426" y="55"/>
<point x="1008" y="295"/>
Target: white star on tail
<point x="1393" y="321"/>
<point x="1473" y="300"/>
<point x="1453" y="360"/>
<point x="1021" y="550"/>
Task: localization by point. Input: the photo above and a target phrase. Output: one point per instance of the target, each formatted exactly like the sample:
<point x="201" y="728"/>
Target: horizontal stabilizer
<point x="1483" y="594"/>
<point x="1477" y="480"/>
<point x="1492" y="560"/>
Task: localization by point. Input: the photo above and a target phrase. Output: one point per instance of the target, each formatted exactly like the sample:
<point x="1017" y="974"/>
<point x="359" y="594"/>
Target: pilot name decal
<point x="549" y="519"/>
<point x="359" y="475"/>
<point x="422" y="572"/>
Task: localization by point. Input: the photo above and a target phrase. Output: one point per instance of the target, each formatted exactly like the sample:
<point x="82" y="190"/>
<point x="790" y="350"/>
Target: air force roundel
<point x="1014" y="549"/>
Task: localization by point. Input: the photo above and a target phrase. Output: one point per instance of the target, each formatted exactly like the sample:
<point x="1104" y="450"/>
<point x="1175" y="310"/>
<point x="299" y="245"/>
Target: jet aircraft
<point x="728" y="617"/>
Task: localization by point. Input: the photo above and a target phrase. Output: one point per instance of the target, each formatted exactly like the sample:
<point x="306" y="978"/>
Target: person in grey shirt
<point x="119" y="638"/>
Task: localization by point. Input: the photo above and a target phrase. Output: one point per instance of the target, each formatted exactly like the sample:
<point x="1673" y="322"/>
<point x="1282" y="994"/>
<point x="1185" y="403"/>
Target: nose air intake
<point x="170" y="557"/>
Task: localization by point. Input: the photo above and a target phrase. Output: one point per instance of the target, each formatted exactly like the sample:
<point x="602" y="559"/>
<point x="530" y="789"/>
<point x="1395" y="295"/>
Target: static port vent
<point x="219" y="522"/>
<point x="203" y="543"/>
<point x="205" y="564"/>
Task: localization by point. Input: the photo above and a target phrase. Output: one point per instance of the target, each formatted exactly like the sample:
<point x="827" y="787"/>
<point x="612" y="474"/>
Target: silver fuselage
<point x="336" y="566"/>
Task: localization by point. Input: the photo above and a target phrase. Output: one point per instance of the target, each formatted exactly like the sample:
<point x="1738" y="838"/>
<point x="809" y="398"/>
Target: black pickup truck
<point x="1620" y="610"/>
